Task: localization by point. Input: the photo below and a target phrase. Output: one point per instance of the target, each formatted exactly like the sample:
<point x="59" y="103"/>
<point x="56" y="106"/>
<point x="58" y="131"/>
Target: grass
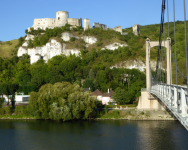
<point x="114" y="114"/>
<point x="16" y="116"/>
<point x="7" y="49"/>
<point x="123" y="106"/>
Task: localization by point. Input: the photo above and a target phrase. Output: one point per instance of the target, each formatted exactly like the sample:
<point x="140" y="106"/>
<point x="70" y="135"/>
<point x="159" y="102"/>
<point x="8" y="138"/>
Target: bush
<point x="2" y="111"/>
<point x="72" y="39"/>
<point x="8" y="110"/>
<point x="1" y="102"/>
<point x="21" y="110"/>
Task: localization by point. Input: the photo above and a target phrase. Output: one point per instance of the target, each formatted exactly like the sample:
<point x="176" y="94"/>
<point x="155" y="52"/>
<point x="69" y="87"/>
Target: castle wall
<point x="98" y="25"/>
<point x="44" y="23"/>
<point x="118" y="29"/>
<point x="75" y="21"/>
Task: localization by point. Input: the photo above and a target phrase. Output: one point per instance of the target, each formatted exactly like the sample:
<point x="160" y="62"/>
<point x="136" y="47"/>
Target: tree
<point x="91" y="75"/>
<point x="88" y="84"/>
<point x="121" y="96"/>
<point x="61" y="101"/>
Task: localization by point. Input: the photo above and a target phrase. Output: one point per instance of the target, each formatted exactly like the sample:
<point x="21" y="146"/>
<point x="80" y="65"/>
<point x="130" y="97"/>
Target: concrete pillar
<point x="168" y="55"/>
<point x="148" y="77"/>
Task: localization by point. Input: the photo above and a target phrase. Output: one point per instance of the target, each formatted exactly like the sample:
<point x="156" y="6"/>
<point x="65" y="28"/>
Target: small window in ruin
<point x="58" y="18"/>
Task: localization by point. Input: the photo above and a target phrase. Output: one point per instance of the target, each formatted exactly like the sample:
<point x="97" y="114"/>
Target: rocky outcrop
<point x="25" y="44"/>
<point x="89" y="39"/>
<point x="51" y="49"/>
<point x="66" y="36"/>
<point x="134" y="64"/>
<point x="114" y="46"/>
<point x="29" y="36"/>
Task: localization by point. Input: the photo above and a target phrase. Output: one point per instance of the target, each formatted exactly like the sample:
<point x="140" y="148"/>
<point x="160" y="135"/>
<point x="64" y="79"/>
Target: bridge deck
<point x="175" y="99"/>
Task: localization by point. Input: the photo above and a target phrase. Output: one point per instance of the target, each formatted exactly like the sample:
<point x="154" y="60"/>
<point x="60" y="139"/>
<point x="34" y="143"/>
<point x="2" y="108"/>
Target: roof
<point x="86" y="89"/>
<point x="108" y="94"/>
<point x="82" y="81"/>
<point x="97" y="93"/>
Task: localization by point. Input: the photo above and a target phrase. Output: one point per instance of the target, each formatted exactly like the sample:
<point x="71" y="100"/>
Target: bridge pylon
<point x="146" y="100"/>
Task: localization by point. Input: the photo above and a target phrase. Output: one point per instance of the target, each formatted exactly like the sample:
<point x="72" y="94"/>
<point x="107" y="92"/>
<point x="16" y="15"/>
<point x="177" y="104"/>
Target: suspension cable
<point x="185" y="41"/>
<point x="175" y="41"/>
<point x="160" y="37"/>
<point x="168" y="17"/>
<point x="177" y="66"/>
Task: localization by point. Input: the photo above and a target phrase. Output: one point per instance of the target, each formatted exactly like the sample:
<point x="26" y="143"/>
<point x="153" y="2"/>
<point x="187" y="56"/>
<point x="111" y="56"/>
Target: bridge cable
<point x="177" y="66"/>
<point x="185" y="41"/>
<point x="160" y="38"/>
<point x="175" y="41"/>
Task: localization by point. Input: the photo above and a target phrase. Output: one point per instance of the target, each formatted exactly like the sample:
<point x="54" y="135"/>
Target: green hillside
<point x="94" y="64"/>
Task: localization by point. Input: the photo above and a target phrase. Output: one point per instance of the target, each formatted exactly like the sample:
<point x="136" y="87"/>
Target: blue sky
<point x="18" y="15"/>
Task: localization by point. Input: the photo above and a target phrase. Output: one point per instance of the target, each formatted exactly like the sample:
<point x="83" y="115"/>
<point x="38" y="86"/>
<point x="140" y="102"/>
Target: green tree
<point x="91" y="75"/>
<point x="121" y="96"/>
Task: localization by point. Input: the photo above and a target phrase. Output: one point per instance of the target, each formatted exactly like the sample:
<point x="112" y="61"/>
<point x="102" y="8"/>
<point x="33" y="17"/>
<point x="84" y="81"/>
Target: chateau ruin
<point x="62" y="17"/>
<point x="136" y="29"/>
<point x="54" y="48"/>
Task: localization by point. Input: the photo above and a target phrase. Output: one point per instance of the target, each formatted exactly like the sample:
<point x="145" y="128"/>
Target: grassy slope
<point x="8" y="48"/>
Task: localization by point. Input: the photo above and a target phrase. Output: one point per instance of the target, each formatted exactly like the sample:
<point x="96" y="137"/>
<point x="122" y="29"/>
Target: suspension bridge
<point x="160" y="93"/>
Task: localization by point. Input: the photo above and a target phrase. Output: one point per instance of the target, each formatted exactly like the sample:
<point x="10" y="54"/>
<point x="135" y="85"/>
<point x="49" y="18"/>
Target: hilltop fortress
<point x="62" y="17"/>
<point x="54" y="48"/>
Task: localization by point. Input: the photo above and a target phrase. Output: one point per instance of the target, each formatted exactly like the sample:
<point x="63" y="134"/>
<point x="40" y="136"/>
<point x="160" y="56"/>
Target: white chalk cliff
<point x="114" y="46"/>
<point x="134" y="64"/>
<point x="51" y="49"/>
<point x="54" y="48"/>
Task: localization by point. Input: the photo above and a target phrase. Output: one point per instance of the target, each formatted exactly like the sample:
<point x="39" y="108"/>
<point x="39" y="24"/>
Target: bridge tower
<point x="146" y="101"/>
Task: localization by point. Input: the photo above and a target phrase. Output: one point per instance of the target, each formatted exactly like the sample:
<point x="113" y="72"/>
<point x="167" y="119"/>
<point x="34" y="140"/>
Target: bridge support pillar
<point x="146" y="101"/>
<point x="168" y="67"/>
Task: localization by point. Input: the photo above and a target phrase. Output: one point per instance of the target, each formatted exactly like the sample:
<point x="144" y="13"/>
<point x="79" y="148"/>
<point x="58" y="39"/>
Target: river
<point x="92" y="135"/>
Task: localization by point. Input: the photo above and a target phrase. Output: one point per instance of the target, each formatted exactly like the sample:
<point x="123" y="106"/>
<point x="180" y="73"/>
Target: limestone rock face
<point x="22" y="51"/>
<point x="134" y="64"/>
<point x="66" y="36"/>
<point x="113" y="46"/>
<point x="89" y="39"/>
<point x="29" y="36"/>
<point x="51" y="49"/>
<point x="25" y="44"/>
<point x="67" y="52"/>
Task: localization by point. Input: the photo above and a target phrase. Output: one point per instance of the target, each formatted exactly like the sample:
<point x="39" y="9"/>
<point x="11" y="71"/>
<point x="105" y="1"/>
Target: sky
<point x="18" y="15"/>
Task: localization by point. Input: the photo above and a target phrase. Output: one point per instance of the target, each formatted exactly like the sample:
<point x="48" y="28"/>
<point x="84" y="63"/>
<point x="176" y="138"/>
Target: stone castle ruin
<point x="53" y="47"/>
<point x="136" y="29"/>
<point x="98" y="25"/>
<point x="62" y="17"/>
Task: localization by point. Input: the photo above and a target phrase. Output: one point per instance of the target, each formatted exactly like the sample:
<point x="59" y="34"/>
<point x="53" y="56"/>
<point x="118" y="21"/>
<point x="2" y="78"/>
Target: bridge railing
<point x="175" y="98"/>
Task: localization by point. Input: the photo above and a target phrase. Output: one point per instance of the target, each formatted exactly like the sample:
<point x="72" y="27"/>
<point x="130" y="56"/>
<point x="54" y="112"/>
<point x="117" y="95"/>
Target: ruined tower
<point x="61" y="18"/>
<point x="86" y="24"/>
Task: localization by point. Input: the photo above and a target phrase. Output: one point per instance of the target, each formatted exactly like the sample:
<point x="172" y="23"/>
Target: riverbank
<point x="135" y="114"/>
<point x="126" y="114"/>
<point x="16" y="116"/>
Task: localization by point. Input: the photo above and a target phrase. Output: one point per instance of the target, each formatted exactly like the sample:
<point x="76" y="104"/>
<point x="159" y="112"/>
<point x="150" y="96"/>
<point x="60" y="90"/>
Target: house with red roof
<point x="107" y="97"/>
<point x="104" y="97"/>
<point x="98" y="94"/>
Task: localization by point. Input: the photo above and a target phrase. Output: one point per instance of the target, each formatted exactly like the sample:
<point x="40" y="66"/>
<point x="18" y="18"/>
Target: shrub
<point x="8" y="110"/>
<point x="72" y="39"/>
<point x="2" y="111"/>
<point x="21" y="110"/>
<point x="1" y="102"/>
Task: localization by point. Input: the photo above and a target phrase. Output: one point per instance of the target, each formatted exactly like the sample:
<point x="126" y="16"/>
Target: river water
<point x="92" y="135"/>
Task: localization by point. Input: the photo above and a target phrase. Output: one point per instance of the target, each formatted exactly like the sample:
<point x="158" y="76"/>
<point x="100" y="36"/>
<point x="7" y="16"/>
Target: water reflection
<point x="107" y="134"/>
